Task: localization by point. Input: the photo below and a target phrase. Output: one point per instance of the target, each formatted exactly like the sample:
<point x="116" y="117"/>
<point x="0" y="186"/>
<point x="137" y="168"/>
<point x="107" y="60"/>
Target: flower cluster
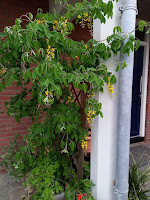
<point x="3" y="71"/>
<point x="40" y="21"/>
<point x="84" y="145"/>
<point x="60" y="26"/>
<point x="91" y="95"/>
<point x="49" y="97"/>
<point x="49" y="93"/>
<point x="55" y="26"/>
<point x="70" y="98"/>
<point x="90" y="116"/>
<point x="50" y="52"/>
<point x="86" y="18"/>
<point x="110" y="87"/>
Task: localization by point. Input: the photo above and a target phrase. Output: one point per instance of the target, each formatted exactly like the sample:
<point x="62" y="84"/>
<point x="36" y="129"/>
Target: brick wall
<point x="147" y="123"/>
<point x="9" y="10"/>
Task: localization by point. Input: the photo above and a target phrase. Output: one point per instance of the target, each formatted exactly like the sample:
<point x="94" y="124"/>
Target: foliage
<point x="50" y="68"/>
<point x="10" y="154"/>
<point x="138" y="181"/>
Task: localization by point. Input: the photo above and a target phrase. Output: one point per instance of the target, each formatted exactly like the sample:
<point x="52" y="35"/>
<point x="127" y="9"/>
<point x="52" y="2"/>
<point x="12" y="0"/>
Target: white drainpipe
<point x="128" y="20"/>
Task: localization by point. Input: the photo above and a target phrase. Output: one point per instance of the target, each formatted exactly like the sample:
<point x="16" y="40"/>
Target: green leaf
<point x="148" y="32"/>
<point x="18" y="21"/>
<point x="30" y="16"/>
<point x="137" y="45"/>
<point x="96" y="78"/>
<point x="15" y="54"/>
<point x="2" y="35"/>
<point x="113" y="79"/>
<point x="72" y="146"/>
<point x="58" y="189"/>
<point x="17" y="118"/>
<point x="17" y="156"/>
<point x="142" y="25"/>
<point x="47" y="192"/>
<point x="85" y="87"/>
<point x="34" y="74"/>
<point x="118" y="67"/>
<point x="124" y="64"/>
<point x="117" y="29"/>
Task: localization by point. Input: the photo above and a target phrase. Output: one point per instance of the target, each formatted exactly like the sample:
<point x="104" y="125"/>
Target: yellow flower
<point x="50" y="52"/>
<point x="79" y="16"/>
<point x="84" y="144"/>
<point x="70" y="98"/>
<point x="110" y="87"/>
<point x="55" y="21"/>
<point x="40" y="21"/>
<point x="90" y="117"/>
<point x="48" y="92"/>
<point x="86" y="46"/>
<point x="47" y="40"/>
<point x="64" y="24"/>
<point x="85" y="14"/>
<point x="3" y="70"/>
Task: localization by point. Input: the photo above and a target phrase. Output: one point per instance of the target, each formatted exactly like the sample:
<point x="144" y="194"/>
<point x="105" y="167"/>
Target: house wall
<point x="9" y="10"/>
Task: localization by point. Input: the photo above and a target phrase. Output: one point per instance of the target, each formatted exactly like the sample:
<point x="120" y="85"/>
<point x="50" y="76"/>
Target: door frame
<point x="145" y="44"/>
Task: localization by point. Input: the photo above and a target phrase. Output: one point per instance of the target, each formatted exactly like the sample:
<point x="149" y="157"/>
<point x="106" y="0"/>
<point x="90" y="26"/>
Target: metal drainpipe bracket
<point x="116" y="191"/>
<point x="128" y="7"/>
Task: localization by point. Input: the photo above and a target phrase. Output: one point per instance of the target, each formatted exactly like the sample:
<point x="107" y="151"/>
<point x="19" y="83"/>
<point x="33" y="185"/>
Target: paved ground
<point x="13" y="190"/>
<point x="140" y="151"/>
<point x="10" y="189"/>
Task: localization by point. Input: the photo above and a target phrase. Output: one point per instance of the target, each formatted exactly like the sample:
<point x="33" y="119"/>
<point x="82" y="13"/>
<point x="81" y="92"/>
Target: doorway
<point x="136" y="92"/>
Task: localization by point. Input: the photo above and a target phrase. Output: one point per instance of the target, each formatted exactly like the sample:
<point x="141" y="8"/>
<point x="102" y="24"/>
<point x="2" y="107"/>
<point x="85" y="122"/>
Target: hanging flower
<point x="50" y="52"/>
<point x="85" y="14"/>
<point x="49" y="97"/>
<point x="86" y="46"/>
<point x="110" y="87"/>
<point x="90" y="116"/>
<point x="84" y="145"/>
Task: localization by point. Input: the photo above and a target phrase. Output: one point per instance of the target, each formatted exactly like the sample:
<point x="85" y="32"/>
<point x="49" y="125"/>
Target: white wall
<point x="104" y="130"/>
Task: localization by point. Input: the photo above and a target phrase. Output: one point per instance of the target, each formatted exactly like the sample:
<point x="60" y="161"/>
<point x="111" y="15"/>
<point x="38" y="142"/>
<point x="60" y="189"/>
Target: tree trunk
<point x="80" y="158"/>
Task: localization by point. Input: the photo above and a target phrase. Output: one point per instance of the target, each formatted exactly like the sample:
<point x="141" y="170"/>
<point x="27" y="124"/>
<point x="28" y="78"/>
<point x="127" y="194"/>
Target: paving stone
<point x="141" y="154"/>
<point x="4" y="179"/>
<point x="4" y="193"/>
<point x="17" y="193"/>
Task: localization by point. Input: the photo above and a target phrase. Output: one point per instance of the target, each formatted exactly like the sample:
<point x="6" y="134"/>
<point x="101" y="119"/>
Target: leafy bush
<point x="55" y="74"/>
<point x="138" y="181"/>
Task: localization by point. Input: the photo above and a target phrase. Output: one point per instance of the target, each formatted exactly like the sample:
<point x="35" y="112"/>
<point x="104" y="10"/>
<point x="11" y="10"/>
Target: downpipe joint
<point x="128" y="7"/>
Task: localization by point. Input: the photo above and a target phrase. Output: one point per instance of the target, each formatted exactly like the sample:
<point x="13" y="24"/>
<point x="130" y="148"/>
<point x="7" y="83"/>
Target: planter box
<point x="89" y="144"/>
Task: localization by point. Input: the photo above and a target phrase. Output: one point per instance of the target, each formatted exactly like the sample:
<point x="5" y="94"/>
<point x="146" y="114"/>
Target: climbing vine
<point x="55" y="74"/>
